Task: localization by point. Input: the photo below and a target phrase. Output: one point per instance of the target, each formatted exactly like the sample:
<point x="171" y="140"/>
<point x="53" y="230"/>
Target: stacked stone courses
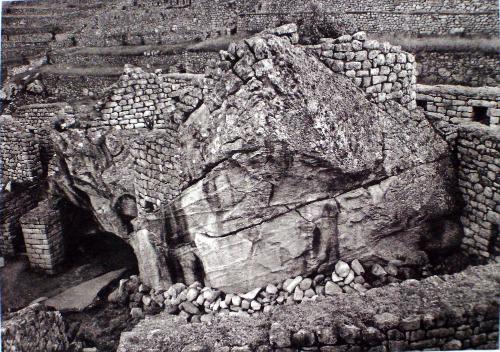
<point x="382" y="70"/>
<point x="450" y="312"/>
<point x="157" y="175"/>
<point x="43" y="238"/>
<point x="451" y="102"/>
<point x="12" y="206"/>
<point x="35" y="328"/>
<point x="479" y="182"/>
<point x="20" y="160"/>
<point x="38" y="119"/>
<point x="473" y="69"/>
<point x="150" y="100"/>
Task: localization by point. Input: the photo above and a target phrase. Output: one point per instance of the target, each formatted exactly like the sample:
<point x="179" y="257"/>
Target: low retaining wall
<point x="34" y="329"/>
<point x="474" y="69"/>
<point x="451" y="312"/>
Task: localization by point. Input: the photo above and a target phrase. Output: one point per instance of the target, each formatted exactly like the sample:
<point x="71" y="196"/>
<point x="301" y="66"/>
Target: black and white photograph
<point x="249" y="175"/>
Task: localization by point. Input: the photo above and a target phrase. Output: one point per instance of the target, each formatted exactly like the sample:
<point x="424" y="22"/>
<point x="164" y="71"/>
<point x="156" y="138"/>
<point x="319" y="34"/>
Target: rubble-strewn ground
<point x="435" y="296"/>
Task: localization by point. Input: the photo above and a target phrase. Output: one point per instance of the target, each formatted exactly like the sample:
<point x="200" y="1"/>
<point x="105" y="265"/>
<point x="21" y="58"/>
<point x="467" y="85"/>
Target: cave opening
<point x="87" y="244"/>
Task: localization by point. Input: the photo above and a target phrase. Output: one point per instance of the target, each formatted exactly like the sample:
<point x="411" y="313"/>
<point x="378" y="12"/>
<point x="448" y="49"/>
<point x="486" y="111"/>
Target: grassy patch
<point x="443" y="44"/>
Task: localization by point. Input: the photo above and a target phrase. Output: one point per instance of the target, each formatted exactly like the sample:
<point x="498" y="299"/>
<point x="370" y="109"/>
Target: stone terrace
<point x="449" y="312"/>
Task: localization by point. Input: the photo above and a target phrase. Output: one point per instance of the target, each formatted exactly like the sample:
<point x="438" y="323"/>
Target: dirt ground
<point x="92" y="257"/>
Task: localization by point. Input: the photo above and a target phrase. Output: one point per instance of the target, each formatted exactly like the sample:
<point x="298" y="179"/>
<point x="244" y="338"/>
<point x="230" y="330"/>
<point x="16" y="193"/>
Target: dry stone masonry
<point x="285" y="197"/>
<point x="42" y="231"/>
<point x="467" y="117"/>
<point x="462" y="314"/>
<point x="478" y="104"/>
<point x="12" y="206"/>
<point x="158" y="177"/>
<point x="479" y="181"/>
<point x="382" y="70"/>
<point x="20" y="156"/>
<point x="150" y="100"/>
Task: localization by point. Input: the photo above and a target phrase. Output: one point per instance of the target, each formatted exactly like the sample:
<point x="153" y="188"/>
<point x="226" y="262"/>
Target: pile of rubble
<point x="198" y="303"/>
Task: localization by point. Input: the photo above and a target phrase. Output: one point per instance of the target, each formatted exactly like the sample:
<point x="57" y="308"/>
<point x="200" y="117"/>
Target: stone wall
<point x="38" y="119"/>
<point x="417" y="18"/>
<point x="468" y="119"/>
<point x="34" y="329"/>
<point x="382" y="70"/>
<point x="156" y="170"/>
<point x="19" y="153"/>
<point x="150" y="100"/>
<point x="449" y="312"/>
<point x="187" y="61"/>
<point x="474" y="69"/>
<point x="479" y="182"/>
<point x="12" y="206"/>
<point x="478" y="104"/>
<point x="42" y="230"/>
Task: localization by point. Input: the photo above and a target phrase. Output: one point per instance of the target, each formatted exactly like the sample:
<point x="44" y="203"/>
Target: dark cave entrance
<point x="86" y="244"/>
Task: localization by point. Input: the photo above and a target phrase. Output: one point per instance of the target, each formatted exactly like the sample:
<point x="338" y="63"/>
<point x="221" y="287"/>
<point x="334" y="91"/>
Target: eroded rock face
<point x="286" y="167"/>
<point x="295" y="169"/>
<point x="93" y="170"/>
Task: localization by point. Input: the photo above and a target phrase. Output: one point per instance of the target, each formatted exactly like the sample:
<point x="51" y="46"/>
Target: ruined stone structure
<point x="42" y="231"/>
<point x="264" y="164"/>
<point x="408" y="322"/>
<point x="468" y="118"/>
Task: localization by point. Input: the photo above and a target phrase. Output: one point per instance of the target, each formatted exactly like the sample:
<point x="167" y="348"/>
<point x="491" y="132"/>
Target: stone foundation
<point x="12" y="206"/>
<point x="43" y="237"/>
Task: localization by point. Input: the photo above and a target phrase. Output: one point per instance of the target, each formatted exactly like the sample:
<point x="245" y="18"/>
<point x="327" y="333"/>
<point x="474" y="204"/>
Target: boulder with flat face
<point x="292" y="168"/>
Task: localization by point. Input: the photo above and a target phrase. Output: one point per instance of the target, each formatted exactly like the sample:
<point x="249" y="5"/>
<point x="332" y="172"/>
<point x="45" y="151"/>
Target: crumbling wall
<point x="461" y="314"/>
<point x="382" y="70"/>
<point x="42" y="230"/>
<point x="34" y="329"/>
<point x="150" y="100"/>
<point x="479" y="179"/>
<point x="448" y="102"/>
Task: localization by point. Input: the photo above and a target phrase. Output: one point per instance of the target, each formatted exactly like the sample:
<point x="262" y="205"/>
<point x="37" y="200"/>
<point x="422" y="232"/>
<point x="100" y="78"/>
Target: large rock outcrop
<point x="292" y="168"/>
<point x="284" y="167"/>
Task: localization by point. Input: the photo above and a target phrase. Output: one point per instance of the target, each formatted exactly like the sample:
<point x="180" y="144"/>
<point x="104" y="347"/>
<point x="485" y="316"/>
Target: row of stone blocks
<point x="43" y="237"/>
